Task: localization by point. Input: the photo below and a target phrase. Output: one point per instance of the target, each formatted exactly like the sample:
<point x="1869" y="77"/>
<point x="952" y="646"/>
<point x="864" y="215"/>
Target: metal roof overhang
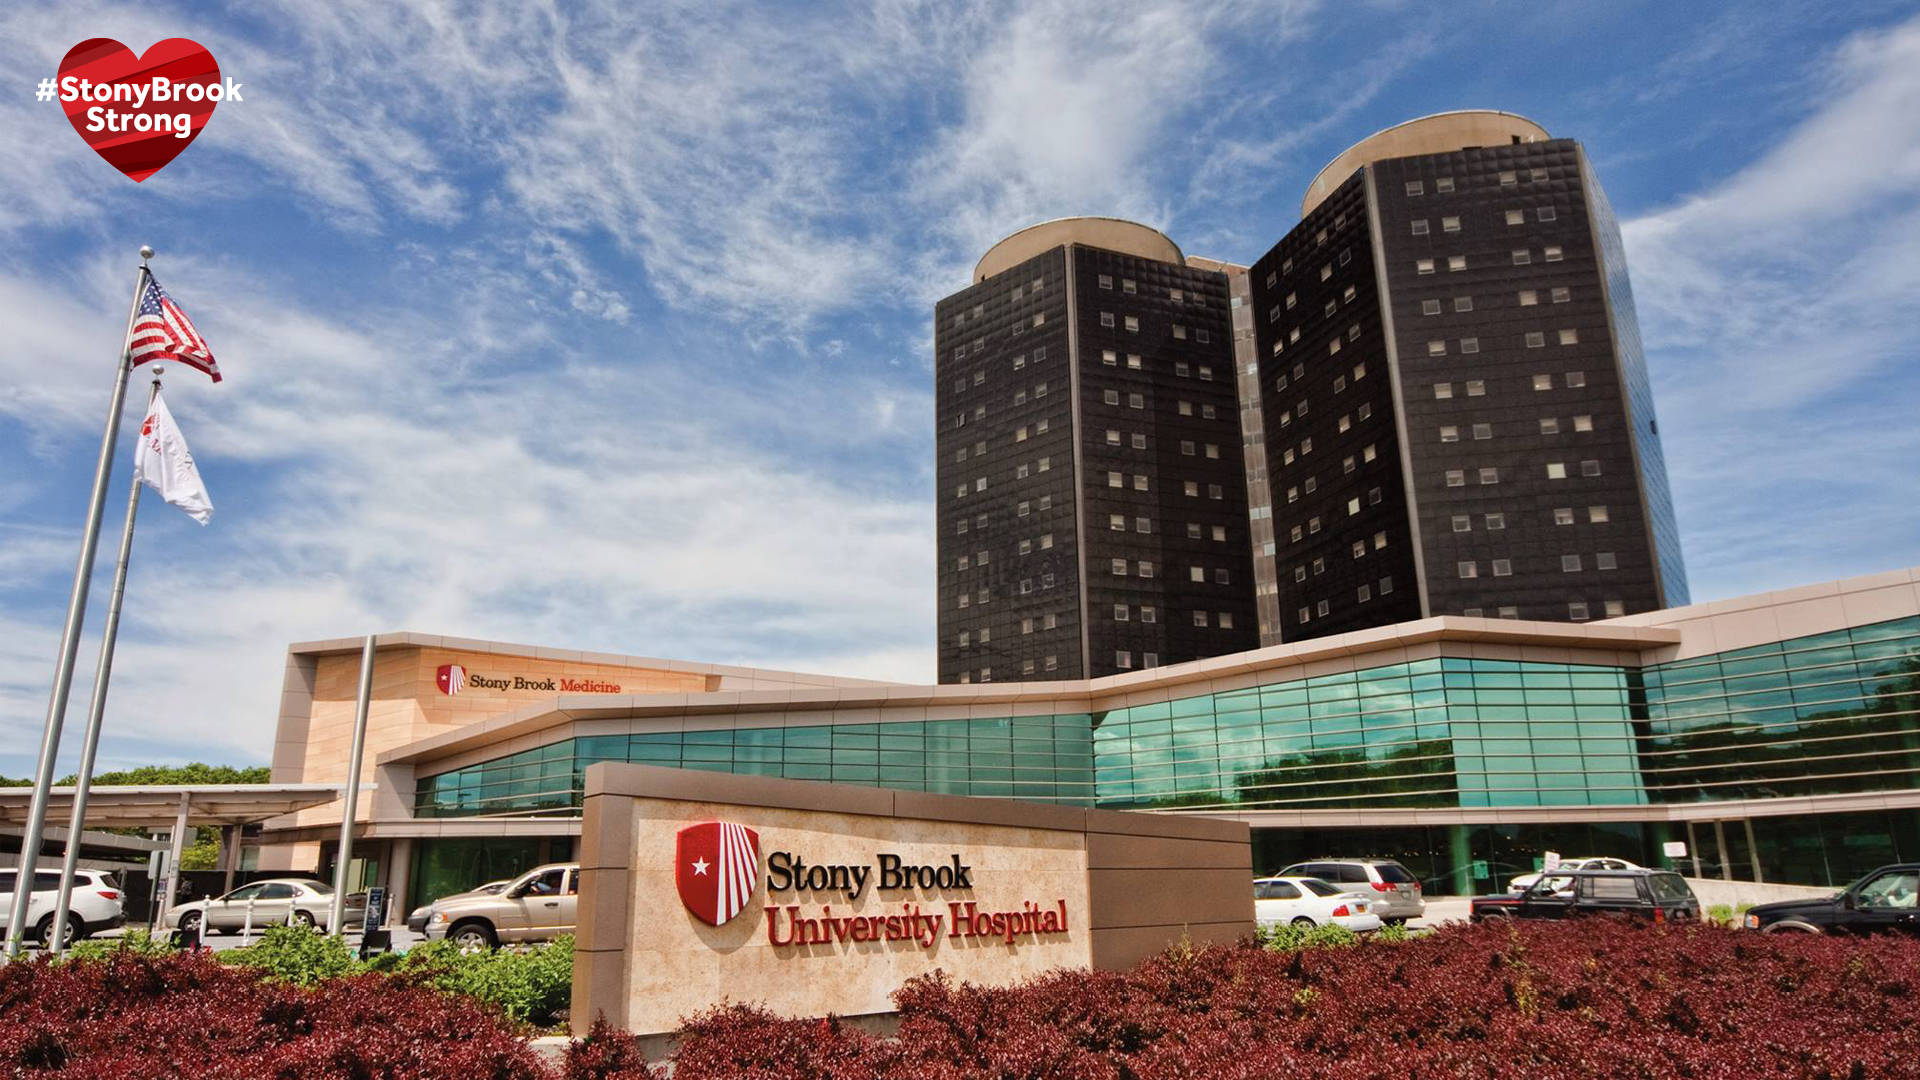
<point x="158" y="805"/>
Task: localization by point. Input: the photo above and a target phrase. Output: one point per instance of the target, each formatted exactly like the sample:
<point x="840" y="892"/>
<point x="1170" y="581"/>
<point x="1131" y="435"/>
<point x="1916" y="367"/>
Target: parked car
<point x="417" y="920"/>
<point x="1660" y="895"/>
<point x="301" y="901"/>
<point x="95" y="904"/>
<point x="1305" y="901"/>
<point x="1888" y="899"/>
<point x="1397" y="895"/>
<point x="1525" y="881"/>
<point x="540" y="904"/>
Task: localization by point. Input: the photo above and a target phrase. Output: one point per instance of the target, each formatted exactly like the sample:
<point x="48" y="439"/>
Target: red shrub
<point x="1600" y="998"/>
<point x="188" y="1015"/>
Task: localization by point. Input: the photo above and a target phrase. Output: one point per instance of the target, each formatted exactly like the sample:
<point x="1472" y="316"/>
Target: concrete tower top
<point x="1441" y="133"/>
<point x="1112" y="234"/>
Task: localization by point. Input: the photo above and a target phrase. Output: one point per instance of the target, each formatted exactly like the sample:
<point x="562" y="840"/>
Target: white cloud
<point x="1777" y="310"/>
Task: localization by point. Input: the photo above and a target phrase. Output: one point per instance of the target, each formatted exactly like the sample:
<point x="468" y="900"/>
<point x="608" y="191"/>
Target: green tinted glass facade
<point x="1036" y="758"/>
<point x="1831" y="713"/>
<point x="1442" y="732"/>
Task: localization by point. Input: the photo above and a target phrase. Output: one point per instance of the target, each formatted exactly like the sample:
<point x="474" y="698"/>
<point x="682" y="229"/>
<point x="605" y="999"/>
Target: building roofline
<point x="1309" y="201"/>
<point x="412" y="639"/>
<point x="978" y="276"/>
<point x="1074" y="695"/>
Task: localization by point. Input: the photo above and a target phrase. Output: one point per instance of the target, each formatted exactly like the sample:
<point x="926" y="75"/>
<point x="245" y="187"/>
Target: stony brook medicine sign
<point x="716" y="871"/>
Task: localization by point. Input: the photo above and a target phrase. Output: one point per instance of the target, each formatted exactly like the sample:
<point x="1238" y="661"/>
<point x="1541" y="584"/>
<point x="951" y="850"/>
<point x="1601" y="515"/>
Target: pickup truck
<point x="1659" y="895"/>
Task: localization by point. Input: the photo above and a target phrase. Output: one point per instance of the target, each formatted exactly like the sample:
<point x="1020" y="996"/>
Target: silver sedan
<point x="300" y="901"/>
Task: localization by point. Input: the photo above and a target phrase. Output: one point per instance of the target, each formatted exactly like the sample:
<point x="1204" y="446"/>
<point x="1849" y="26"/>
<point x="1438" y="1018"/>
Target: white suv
<point x="94" y="905"/>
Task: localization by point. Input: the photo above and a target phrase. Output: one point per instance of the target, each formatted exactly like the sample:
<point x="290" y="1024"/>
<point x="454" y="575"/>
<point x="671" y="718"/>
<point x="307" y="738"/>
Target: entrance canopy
<point x="161" y="805"/>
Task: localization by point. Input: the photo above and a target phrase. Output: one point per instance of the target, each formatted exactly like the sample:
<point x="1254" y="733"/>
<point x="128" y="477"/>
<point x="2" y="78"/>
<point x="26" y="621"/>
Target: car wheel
<point x="1791" y="928"/>
<point x="190" y="922"/>
<point x="44" y="932"/>
<point x="473" y="937"/>
<point x="303" y="918"/>
<point x="1396" y="921"/>
<point x="1303" y="922"/>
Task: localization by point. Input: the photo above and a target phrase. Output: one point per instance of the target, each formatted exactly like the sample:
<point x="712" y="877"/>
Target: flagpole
<point x="109" y="633"/>
<point x="70" y="636"/>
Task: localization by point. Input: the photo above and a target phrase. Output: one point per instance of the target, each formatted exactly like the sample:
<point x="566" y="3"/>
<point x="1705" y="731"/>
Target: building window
<point x="1563" y="515"/>
<point x="1543" y="382"/>
<point x="1529" y="298"/>
<point x="1549" y="425"/>
<point x="1120" y="612"/>
<point x="1443" y="184"/>
<point x="1496" y="521"/>
<point x="1516" y="217"/>
<point x="1576" y="378"/>
<point x="1436" y="348"/>
<point x="1547" y="213"/>
<point x="1469" y="345"/>
<point x="1456" y="262"/>
<point x="1615" y="609"/>
<point x="1583" y="423"/>
<point x="1442" y="390"/>
<point x="1456" y="478"/>
<point x="1569" y="564"/>
<point x="1590" y="468"/>
<point x="1136" y="401"/>
<point x="1133" y="324"/>
<point x="1148" y="613"/>
<point x="1556" y="470"/>
<point x="1489" y="476"/>
<point x="1462" y="523"/>
<point x="1111" y="397"/>
<point x="1115" y="480"/>
<point x="1503" y="568"/>
<point x="1569" y="337"/>
<point x="1597" y="514"/>
<point x="1416" y="187"/>
<point x="1142" y="525"/>
<point x="1449" y="224"/>
<point x="1123" y="659"/>
<point x="1476" y="388"/>
<point x="1605" y="561"/>
<point x="1139" y="440"/>
<point x="1536" y="339"/>
<point x="1364" y="593"/>
<point x="1463" y="303"/>
<point x="1521" y="256"/>
<point x="1467" y="569"/>
<point x="1577" y="610"/>
<point x="1423" y="266"/>
<point x="1106" y="281"/>
<point x="1553" y="254"/>
<point x="1508" y="179"/>
<point x="1179" y="332"/>
<point x="1429" y="307"/>
<point x="1562" y="294"/>
<point x="1449" y="433"/>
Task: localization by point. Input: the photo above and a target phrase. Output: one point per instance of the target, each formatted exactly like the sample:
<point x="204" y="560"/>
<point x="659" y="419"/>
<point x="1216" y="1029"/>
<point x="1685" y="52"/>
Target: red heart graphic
<point x="136" y="130"/>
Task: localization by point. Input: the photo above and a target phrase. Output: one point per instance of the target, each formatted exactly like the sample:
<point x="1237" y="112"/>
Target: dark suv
<point x="1660" y="895"/>
<point x="1887" y="899"/>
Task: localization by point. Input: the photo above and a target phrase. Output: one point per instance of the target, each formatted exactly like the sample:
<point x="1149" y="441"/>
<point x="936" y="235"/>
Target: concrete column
<point x="1693" y="849"/>
<point x="399" y="880"/>
<point x="229" y="854"/>
<point x="1753" y="852"/>
<point x="1460" y="845"/>
<point x="175" y="850"/>
<point x="1720" y="841"/>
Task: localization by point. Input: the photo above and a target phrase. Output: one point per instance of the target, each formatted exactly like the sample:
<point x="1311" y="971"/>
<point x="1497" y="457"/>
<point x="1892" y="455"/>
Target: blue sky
<point x="607" y="326"/>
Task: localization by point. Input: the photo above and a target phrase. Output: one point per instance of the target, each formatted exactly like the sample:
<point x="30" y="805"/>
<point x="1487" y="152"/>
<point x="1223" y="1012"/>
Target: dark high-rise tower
<point x="1092" y="503"/>
<point x="1456" y="408"/>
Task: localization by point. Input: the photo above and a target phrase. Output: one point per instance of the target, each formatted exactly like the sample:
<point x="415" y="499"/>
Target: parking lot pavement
<point x="1440" y="910"/>
<point x="403" y="939"/>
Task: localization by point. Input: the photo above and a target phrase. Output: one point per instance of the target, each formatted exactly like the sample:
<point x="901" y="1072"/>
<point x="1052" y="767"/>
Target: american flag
<point x="161" y="331"/>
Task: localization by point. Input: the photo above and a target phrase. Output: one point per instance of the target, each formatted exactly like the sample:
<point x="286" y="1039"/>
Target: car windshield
<point x="1669" y="887"/>
<point x="1320" y="888"/>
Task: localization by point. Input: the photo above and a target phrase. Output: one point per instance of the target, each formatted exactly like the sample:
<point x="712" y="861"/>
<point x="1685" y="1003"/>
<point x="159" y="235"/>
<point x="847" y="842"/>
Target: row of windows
<point x="979" y="311"/>
<point x="1322" y="608"/>
<point x="1451" y="224"/>
<point x="1549" y="425"/>
<point x="1562" y="515"/>
<point x="1577" y="610"/>
<point x="1339" y="386"/>
<point x="1521" y="257"/>
<point x="1346" y="422"/>
<point x="1573" y="380"/>
<point x="980" y="375"/>
<point x="1128" y="285"/>
<point x="1347" y="464"/>
<point x="1569" y="564"/>
<point x="1319" y="565"/>
<point x="1534" y="339"/>
<point x="1445" y="184"/>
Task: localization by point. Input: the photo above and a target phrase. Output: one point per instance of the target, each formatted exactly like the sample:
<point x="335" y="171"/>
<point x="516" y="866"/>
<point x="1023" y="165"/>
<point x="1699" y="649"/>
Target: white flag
<point x="163" y="463"/>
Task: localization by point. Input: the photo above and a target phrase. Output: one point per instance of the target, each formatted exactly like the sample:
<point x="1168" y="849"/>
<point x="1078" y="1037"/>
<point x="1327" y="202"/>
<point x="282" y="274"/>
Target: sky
<point x="608" y="326"/>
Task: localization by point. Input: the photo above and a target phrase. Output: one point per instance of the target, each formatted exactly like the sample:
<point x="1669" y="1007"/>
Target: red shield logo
<point x="452" y="678"/>
<point x="716" y="864"/>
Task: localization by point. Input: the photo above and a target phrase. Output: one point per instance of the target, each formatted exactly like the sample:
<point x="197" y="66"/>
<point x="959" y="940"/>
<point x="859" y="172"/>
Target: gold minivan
<point x="541" y="904"/>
